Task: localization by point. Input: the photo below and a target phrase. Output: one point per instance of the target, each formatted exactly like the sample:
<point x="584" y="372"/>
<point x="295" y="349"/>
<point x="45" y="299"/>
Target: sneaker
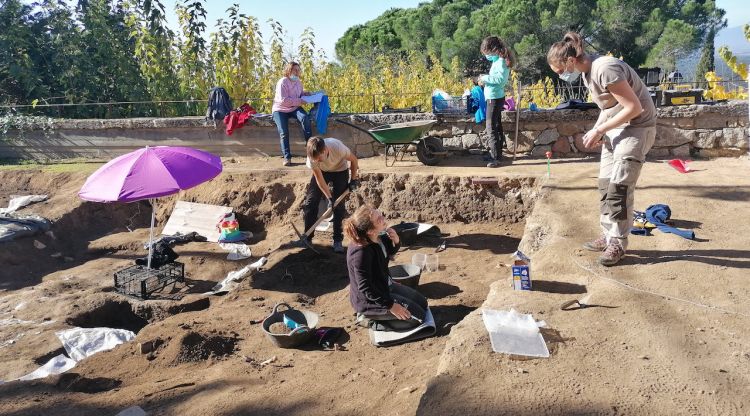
<point x="338" y="247"/>
<point x="287" y="162"/>
<point x="612" y="255"/>
<point x="493" y="164"/>
<point x="600" y="244"/>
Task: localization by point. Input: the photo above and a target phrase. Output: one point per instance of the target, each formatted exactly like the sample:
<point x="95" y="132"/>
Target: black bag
<point x="219" y="104"/>
<point x="575" y="105"/>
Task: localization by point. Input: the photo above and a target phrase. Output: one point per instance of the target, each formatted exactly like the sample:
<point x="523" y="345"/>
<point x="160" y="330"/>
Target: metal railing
<point x="340" y="103"/>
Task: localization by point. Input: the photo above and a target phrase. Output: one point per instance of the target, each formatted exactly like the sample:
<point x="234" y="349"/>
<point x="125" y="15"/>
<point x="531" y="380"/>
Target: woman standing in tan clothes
<point x="626" y="127"/>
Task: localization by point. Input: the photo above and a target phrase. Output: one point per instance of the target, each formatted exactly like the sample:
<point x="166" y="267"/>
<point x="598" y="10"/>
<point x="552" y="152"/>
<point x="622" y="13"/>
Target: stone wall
<point x="697" y="130"/>
<point x="682" y="131"/>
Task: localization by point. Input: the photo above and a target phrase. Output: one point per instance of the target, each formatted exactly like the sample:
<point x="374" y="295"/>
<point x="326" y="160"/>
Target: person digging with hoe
<point x="626" y="128"/>
<point x="328" y="160"/>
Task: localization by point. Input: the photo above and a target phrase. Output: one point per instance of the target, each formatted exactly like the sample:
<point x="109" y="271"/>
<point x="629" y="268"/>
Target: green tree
<point x="677" y="40"/>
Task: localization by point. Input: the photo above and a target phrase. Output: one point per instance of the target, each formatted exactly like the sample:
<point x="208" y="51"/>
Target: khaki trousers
<point x="623" y="154"/>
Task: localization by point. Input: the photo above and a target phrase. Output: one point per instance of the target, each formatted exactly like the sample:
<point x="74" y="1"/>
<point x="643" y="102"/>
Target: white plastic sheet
<point x="84" y="342"/>
<point x="237" y="251"/>
<point x="226" y="284"/>
<point x="56" y="365"/>
<point x="514" y="333"/>
<point x="17" y="202"/>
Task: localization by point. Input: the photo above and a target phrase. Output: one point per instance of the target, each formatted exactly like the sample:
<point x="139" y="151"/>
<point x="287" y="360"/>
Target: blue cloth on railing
<point x="322" y="111"/>
<point x="477" y="98"/>
<point x="658" y="215"/>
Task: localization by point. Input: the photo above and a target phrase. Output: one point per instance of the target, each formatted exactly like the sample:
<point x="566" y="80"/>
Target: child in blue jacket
<point x="502" y="58"/>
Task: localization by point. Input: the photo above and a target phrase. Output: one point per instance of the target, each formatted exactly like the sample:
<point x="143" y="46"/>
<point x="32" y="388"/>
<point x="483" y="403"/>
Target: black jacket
<point x="369" y="291"/>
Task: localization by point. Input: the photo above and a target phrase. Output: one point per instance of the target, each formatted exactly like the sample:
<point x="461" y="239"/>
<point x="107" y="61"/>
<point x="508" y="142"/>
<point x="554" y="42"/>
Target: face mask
<point x="294" y="78"/>
<point x="492" y="58"/>
<point x="570" y="76"/>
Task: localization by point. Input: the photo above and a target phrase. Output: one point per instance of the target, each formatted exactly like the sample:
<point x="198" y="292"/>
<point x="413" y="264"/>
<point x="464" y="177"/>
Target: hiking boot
<point x="493" y="164"/>
<point x="287" y="162"/>
<point x="338" y="247"/>
<point x="612" y="255"/>
<point x="600" y="244"/>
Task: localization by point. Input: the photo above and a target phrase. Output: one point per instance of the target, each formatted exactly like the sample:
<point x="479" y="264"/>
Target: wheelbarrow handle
<point x="354" y="126"/>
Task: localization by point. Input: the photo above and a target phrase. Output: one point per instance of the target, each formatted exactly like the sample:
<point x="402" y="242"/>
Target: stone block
<point x="680" y="151"/>
<point x="453" y="142"/>
<point x="569" y="129"/>
<point x="561" y="145"/>
<point x="711" y="121"/>
<point x="737" y="122"/>
<point x="679" y="122"/>
<point x="536" y="126"/>
<point x="471" y="141"/>
<point x="525" y="141"/>
<point x="443" y="133"/>
<point x="548" y="136"/>
<point x="456" y="130"/>
<point x="707" y="139"/>
<point x="733" y="137"/>
<point x="540" y="151"/>
<point x="673" y="137"/>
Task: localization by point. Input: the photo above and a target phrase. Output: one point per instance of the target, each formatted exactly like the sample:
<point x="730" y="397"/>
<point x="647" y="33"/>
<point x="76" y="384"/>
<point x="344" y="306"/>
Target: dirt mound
<point x="194" y="346"/>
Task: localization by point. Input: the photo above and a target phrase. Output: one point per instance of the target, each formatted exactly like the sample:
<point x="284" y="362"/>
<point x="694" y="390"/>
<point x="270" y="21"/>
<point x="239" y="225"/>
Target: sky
<point x="329" y="19"/>
<point x="738" y="11"/>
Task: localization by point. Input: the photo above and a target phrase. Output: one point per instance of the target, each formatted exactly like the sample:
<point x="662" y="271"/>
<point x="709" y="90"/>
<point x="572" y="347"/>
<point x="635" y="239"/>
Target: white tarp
<point x="514" y="333"/>
<point x="226" y="284"/>
<point x="56" y="365"/>
<point x="191" y="216"/>
<point x="17" y="202"/>
<point x="237" y="251"/>
<point x="84" y="342"/>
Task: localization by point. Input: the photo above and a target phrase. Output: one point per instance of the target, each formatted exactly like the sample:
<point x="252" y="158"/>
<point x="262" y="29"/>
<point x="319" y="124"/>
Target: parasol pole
<point x="151" y="233"/>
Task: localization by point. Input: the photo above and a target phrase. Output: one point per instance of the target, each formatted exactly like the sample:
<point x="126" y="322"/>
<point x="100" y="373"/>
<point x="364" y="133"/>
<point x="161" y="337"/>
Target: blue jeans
<point x="282" y="124"/>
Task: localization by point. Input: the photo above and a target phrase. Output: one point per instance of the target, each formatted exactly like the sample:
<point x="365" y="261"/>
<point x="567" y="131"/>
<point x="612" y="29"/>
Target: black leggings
<point x="414" y="302"/>
<point x="494" y="127"/>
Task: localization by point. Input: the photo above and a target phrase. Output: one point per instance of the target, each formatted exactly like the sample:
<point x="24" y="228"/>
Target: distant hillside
<point x="733" y="38"/>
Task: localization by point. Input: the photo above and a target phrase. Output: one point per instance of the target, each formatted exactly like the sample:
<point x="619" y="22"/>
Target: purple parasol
<point x="150" y="173"/>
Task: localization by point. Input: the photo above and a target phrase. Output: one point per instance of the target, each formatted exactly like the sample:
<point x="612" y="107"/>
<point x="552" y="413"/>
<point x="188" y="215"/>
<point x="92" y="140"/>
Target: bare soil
<point x="208" y="354"/>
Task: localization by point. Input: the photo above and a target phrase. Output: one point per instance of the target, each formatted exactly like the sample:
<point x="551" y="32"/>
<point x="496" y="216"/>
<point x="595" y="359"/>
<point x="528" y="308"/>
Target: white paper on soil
<point x="514" y="333"/>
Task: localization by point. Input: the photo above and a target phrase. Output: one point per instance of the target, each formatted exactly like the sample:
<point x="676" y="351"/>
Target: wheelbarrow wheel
<point x="430" y="150"/>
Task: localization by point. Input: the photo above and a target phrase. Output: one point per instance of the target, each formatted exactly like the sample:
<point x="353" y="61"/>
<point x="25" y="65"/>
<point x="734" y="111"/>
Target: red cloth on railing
<point x="237" y="118"/>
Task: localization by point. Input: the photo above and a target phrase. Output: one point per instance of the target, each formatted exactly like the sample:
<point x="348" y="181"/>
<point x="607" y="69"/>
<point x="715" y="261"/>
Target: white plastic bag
<point x="514" y="333"/>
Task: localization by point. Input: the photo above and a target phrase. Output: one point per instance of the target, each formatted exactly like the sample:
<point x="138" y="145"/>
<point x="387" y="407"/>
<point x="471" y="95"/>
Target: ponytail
<point x="570" y="45"/>
<point x="357" y="226"/>
<point x="495" y="45"/>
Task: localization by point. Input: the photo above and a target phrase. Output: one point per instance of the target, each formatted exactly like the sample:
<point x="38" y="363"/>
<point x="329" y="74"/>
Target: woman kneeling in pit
<point x="390" y="306"/>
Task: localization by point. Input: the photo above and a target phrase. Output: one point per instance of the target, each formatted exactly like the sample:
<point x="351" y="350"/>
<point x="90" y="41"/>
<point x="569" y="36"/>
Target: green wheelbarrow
<point x="409" y="137"/>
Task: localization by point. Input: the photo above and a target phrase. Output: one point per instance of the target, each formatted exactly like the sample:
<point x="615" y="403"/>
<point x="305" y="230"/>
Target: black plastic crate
<point x="141" y="282"/>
